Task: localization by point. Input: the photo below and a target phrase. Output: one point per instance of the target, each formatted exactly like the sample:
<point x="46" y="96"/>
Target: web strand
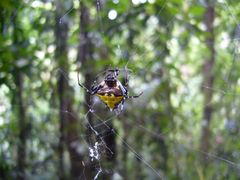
<point x="155" y="134"/>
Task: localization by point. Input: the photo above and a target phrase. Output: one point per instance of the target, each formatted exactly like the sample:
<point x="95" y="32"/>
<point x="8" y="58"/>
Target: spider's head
<point x="111" y="78"/>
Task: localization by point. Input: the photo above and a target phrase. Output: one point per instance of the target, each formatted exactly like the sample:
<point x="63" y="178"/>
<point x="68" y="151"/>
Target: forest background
<point x="183" y="55"/>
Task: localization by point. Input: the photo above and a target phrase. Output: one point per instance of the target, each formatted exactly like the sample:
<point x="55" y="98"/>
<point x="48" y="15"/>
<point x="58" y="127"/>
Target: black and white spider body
<point x="110" y="90"/>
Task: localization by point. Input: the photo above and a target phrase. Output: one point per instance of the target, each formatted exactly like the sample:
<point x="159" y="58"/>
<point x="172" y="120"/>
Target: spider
<point x="110" y="90"/>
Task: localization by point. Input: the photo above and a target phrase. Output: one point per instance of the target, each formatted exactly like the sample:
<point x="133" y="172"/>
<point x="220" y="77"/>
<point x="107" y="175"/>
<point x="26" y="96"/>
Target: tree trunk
<point x="125" y="151"/>
<point x="68" y="120"/>
<point x="62" y="116"/>
<point x="21" y="111"/>
<point x="61" y="31"/>
<point x="208" y="77"/>
<point x="84" y="55"/>
<point x="18" y="102"/>
<point x="79" y="169"/>
<point x="85" y="51"/>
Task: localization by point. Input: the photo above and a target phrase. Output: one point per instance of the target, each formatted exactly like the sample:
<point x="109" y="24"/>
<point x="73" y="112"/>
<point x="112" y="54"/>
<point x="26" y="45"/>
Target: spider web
<point x="96" y="151"/>
<point x="97" y="147"/>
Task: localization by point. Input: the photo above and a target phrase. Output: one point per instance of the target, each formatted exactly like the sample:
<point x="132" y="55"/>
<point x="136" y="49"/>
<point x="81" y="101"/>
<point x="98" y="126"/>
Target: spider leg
<point x="135" y="96"/>
<point x="95" y="89"/>
<point x="82" y="86"/>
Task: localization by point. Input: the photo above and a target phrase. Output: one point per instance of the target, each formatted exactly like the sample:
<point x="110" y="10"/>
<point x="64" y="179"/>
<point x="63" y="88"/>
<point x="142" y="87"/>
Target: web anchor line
<point x="132" y="150"/>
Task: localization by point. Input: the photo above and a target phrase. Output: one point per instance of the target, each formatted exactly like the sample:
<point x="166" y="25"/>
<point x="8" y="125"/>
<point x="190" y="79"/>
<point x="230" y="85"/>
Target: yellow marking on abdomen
<point x="110" y="100"/>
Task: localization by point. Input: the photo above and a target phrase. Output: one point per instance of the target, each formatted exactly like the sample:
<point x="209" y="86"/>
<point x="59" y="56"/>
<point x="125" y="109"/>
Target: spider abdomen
<point x="111" y="91"/>
<point x="110" y="99"/>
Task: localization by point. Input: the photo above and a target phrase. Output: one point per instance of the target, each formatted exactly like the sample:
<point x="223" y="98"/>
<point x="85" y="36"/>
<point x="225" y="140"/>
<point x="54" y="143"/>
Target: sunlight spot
<point x="76" y="4"/>
<point x="5" y="145"/>
<point x="47" y="62"/>
<point x="221" y="1"/>
<point x="21" y="62"/>
<point x="36" y="4"/>
<point x="32" y="40"/>
<point x="39" y="4"/>
<point x="45" y="76"/>
<point x="224" y="41"/>
<point x="153" y="21"/>
<point x="51" y="49"/>
<point x="136" y="2"/>
<point x="40" y="54"/>
<point x="151" y="1"/>
<point x="4" y="106"/>
<point x="202" y="26"/>
<point x="1" y="121"/>
<point x="112" y="14"/>
<point x="117" y="176"/>
<point x="196" y="40"/>
<point x="72" y="53"/>
<point x="115" y="1"/>
<point x="48" y="5"/>
<point x="42" y="21"/>
<point x="143" y="1"/>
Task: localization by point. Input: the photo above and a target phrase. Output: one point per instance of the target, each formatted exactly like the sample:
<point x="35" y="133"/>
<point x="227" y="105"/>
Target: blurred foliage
<point x="163" y="44"/>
